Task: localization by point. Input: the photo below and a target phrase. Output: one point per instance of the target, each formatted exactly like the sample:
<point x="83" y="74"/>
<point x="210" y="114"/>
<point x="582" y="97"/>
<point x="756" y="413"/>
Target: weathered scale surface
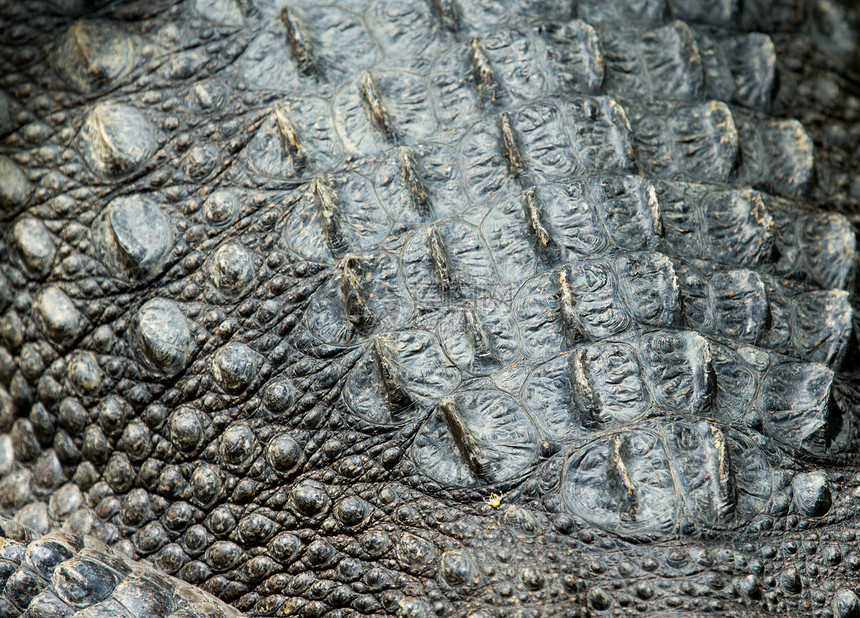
<point x="428" y="308"/>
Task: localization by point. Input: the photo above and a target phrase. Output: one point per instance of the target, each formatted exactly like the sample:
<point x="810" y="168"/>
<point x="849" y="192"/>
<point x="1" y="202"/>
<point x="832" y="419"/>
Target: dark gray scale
<point x="486" y="175"/>
<point x="600" y="131"/>
<point x="708" y="296"/>
<point x="308" y="49"/>
<point x="739" y="68"/>
<point x="814" y="244"/>
<point x="58" y="316"/>
<point x="475" y="436"/>
<point x="398" y="376"/>
<point x="688" y="374"/>
<point x="296" y="139"/>
<point x="574" y="56"/>
<point x="133" y="237"/>
<point x="820" y="323"/>
<point x="510" y="230"/>
<point x="513" y="67"/>
<point x="480" y="337"/>
<point x="661" y="62"/>
<point x="161" y="337"/>
<point x="712" y="223"/>
<point x="724" y="478"/>
<point x="383" y="108"/>
<point x="624" y="12"/>
<point x="649" y="286"/>
<point x="94" y="55"/>
<point x="712" y="12"/>
<point x="116" y="140"/>
<point x="364" y="295"/>
<point x="776" y="155"/>
<point x="797" y="409"/>
<point x="628" y="209"/>
<point x="15" y="187"/>
<point x="623" y="483"/>
<point x="544" y="146"/>
<point x="389" y="371"/>
<point x="549" y="396"/>
<point x="33" y="245"/>
<point x="616" y="382"/>
<point x="445" y="261"/>
<point x="298" y="301"/>
<point x="519" y="66"/>
<point x="232" y="269"/>
<point x="649" y="481"/>
<point x="679" y="371"/>
<point x="335" y="216"/>
<point x="583" y="218"/>
<point x="235" y="367"/>
<point x="698" y="142"/>
<point x="420" y="183"/>
<point x="407" y="33"/>
<point x="790" y="399"/>
<point x="760" y="309"/>
<point x="595" y="299"/>
<point x="606" y="384"/>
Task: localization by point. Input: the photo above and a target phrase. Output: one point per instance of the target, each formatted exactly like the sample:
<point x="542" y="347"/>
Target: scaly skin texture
<point x="428" y="308"/>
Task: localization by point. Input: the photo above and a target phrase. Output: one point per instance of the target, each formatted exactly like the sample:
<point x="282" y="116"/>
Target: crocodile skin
<point x="428" y="308"/>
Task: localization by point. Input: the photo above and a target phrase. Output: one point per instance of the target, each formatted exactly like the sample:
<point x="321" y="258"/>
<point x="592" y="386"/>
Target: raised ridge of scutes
<point x="693" y="142"/>
<point x="814" y="244"/>
<point x="746" y="306"/>
<point x="715" y="224"/>
<point x="650" y="480"/>
<point x="594" y="299"/>
<point x="664" y="61"/>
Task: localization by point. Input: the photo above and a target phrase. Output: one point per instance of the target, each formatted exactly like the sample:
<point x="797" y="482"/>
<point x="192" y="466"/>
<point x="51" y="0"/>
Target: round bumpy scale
<point x="238" y="445"/>
<point x="234" y="367"/>
<point x="94" y="54"/>
<point x="310" y="499"/>
<point x="232" y="269"/>
<point x="116" y="139"/>
<point x="279" y="395"/>
<point x="35" y="245"/>
<point x="846" y="604"/>
<point x="221" y="207"/>
<point x="283" y="454"/>
<point x="186" y="430"/>
<point x="162" y="337"/>
<point x="15" y="188"/>
<point x="133" y="237"/>
<point x="57" y="315"/>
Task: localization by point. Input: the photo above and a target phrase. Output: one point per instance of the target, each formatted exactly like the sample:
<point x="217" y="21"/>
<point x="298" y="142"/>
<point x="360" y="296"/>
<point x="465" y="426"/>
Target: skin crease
<point x="428" y="308"/>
